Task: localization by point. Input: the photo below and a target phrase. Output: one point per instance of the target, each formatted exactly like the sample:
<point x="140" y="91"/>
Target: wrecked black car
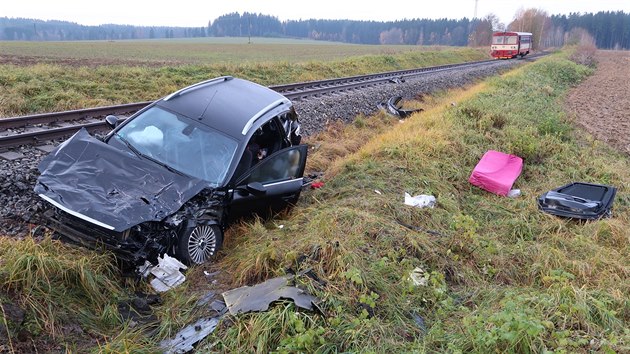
<point x="170" y="178"/>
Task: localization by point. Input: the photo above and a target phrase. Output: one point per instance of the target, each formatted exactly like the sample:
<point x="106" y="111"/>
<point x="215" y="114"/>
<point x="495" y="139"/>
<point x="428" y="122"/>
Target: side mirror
<point x="112" y="121"/>
<point x="256" y="188"/>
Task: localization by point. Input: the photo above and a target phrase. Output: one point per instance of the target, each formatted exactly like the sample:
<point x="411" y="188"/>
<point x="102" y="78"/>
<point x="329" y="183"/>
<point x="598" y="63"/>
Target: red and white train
<point x="508" y="45"/>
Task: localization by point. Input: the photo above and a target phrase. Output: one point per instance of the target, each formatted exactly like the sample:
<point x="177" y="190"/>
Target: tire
<point x="199" y="244"/>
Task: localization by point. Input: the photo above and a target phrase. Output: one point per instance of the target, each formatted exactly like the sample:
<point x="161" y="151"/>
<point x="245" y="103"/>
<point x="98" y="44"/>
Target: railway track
<point x="39" y="128"/>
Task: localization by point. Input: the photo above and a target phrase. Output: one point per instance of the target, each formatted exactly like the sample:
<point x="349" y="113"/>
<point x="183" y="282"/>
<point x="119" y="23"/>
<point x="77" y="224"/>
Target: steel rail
<point x="64" y="116"/>
<point x="295" y="91"/>
<point x="38" y="136"/>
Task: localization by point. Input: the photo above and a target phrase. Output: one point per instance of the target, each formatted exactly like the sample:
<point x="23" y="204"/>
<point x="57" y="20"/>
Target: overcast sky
<point x="196" y="13"/>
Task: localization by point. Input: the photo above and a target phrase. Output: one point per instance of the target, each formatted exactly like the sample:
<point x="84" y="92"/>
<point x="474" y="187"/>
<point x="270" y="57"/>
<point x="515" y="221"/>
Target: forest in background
<point x="607" y="30"/>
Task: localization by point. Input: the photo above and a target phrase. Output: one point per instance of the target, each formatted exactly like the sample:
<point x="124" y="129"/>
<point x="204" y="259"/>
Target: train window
<point x="510" y="39"/>
<point x="497" y="40"/>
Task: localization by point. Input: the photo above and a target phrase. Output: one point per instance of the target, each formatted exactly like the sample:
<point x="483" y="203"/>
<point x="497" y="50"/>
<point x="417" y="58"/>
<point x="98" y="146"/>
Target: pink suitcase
<point x="496" y="172"/>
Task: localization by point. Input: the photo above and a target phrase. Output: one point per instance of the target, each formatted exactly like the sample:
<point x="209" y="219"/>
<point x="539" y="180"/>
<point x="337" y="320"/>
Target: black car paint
<point x="146" y="205"/>
<point x="85" y="172"/>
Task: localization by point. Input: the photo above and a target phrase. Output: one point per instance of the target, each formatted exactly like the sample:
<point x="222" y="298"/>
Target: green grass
<point x="73" y="80"/>
<point x="501" y="276"/>
<point x="59" y="286"/>
<point x="204" y="50"/>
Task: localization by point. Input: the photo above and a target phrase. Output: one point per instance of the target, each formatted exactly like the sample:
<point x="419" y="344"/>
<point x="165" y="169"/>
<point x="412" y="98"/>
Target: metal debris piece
<point x="167" y="273"/>
<point x="206" y="299"/>
<point x="393" y="106"/>
<point x="184" y="340"/>
<point x="260" y="296"/>
<point x="219" y="307"/>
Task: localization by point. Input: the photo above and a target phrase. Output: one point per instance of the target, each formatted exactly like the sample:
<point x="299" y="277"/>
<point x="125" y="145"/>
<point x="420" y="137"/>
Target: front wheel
<point x="199" y="244"/>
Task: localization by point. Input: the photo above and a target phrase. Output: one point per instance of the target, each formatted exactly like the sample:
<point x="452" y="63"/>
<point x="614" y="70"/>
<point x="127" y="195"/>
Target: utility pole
<point x="476" y="2"/>
<point x="249" y="29"/>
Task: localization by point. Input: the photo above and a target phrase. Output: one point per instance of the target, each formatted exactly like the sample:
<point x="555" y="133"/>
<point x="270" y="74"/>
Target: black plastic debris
<point x="397" y="80"/>
<point x="579" y="201"/>
<point x="259" y="297"/>
<point x="393" y="106"/>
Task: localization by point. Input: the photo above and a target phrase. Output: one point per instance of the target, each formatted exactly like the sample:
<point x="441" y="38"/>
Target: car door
<point x="281" y="178"/>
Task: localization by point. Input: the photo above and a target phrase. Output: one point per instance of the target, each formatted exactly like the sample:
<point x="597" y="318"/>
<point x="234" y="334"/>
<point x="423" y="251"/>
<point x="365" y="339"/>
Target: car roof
<point x="228" y="104"/>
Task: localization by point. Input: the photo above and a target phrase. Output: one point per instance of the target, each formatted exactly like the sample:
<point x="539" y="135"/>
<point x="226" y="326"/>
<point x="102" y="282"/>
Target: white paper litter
<point x="420" y="201"/>
<point x="514" y="193"/>
<point x="418" y="277"/>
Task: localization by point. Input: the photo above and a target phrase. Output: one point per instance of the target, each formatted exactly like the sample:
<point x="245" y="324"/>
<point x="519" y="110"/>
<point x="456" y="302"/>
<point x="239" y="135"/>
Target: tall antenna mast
<point x="476" y="2"/>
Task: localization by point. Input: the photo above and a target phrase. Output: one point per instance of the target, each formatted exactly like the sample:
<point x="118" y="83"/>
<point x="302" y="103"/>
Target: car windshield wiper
<point x="139" y="154"/>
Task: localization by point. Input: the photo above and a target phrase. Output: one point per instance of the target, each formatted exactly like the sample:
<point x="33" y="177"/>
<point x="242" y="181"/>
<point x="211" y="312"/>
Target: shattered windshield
<point x="180" y="143"/>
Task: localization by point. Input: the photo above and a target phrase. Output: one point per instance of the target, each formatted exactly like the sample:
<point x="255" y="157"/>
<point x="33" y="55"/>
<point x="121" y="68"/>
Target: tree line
<point x="607" y="30"/>
<point x="23" y="29"/>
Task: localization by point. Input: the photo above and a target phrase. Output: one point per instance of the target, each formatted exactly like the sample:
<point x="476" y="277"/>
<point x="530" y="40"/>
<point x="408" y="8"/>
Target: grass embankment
<point x="55" y="87"/>
<point x="500" y="275"/>
<point x="62" y="290"/>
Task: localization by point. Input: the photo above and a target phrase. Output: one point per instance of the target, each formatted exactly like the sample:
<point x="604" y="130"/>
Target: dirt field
<point x="601" y="104"/>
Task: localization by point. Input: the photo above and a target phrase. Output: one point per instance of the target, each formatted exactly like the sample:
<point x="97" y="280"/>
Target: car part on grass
<point x="579" y="200"/>
<point x="173" y="176"/>
<point x="167" y="273"/>
<point x="393" y="106"/>
<point x="496" y="172"/>
<point x="259" y="297"/>
<point x="420" y="201"/>
<point x="317" y="185"/>
<point x="184" y="340"/>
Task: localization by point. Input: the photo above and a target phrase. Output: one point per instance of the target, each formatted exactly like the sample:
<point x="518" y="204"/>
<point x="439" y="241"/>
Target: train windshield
<point x="504" y="39"/>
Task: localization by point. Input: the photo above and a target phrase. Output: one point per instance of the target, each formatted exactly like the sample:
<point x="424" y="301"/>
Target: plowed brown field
<point x="601" y="104"/>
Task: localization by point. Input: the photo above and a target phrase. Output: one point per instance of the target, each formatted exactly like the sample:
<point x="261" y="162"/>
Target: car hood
<point x="110" y="187"/>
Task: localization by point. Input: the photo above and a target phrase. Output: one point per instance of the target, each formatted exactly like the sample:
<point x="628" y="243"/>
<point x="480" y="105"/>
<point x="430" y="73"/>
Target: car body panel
<point x="93" y="179"/>
<point x="215" y="105"/>
<point x="280" y="189"/>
